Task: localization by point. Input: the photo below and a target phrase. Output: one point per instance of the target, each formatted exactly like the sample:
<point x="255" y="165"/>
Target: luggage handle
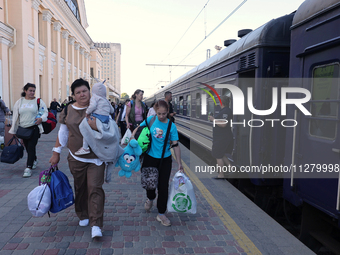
<point x="53" y="168"/>
<point x="17" y="141"/>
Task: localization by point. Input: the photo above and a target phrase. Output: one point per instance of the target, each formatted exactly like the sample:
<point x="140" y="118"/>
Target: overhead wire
<point x="238" y="7"/>
<point x="230" y="14"/>
<point x="187" y="30"/>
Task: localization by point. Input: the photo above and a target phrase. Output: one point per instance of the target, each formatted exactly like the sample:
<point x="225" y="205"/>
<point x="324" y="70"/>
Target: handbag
<point x="12" y="153"/>
<point x="181" y="195"/>
<point x="126" y="137"/>
<point x="149" y="176"/>
<point x="25" y="133"/>
<point x="39" y="200"/>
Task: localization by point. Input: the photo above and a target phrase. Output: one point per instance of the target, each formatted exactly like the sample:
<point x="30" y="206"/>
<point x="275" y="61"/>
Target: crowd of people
<point x="88" y="169"/>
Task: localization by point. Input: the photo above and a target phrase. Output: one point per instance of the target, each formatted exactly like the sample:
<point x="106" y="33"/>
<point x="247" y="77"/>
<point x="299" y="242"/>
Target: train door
<point x="318" y="136"/>
<point x="242" y="131"/>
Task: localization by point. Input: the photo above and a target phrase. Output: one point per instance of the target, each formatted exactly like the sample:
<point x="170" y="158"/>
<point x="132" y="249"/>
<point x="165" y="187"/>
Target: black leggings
<point x="163" y="180"/>
<point x="30" y="145"/>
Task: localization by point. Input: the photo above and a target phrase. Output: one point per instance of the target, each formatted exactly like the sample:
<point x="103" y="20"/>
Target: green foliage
<point x="125" y="96"/>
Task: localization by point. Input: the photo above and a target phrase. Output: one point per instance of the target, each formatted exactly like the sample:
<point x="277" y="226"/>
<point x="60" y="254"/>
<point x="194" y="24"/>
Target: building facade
<point x="45" y="43"/>
<point x="111" y="66"/>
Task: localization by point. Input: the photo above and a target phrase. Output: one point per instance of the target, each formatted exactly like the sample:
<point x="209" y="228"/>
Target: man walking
<point x="168" y="98"/>
<point x="54" y="107"/>
<point x="121" y="117"/>
<point x="223" y="140"/>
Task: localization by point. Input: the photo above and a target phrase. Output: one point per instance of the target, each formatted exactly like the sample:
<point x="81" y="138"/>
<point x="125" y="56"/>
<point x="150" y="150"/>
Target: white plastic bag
<point x="39" y="200"/>
<point x="181" y="195"/>
<point x="126" y="138"/>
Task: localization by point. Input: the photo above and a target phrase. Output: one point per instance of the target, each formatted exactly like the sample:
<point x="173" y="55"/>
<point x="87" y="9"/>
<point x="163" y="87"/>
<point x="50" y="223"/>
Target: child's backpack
<point x="61" y="191"/>
<point x="143" y="135"/>
<point x="51" y="122"/>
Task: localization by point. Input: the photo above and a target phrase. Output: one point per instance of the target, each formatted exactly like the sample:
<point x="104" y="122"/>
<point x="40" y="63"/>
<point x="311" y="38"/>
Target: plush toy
<point x="129" y="160"/>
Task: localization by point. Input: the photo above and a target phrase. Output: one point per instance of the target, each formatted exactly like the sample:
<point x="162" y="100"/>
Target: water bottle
<point x="40" y="113"/>
<point x="2" y="143"/>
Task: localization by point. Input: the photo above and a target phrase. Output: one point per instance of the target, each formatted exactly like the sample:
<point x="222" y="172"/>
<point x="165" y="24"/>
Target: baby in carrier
<point x="100" y="108"/>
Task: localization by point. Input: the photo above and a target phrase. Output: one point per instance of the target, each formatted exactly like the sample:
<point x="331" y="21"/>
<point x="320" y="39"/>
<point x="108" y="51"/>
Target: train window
<point x="211" y="107"/>
<point x="198" y="105"/>
<point x="175" y="104"/>
<point x="180" y="105"/>
<point x="189" y="105"/>
<point x="226" y="92"/>
<point x="324" y="108"/>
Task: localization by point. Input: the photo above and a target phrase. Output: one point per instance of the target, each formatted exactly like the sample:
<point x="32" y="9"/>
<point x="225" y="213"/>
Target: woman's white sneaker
<point x="96" y="232"/>
<point x="84" y="223"/>
<point x="35" y="163"/>
<point x="27" y="173"/>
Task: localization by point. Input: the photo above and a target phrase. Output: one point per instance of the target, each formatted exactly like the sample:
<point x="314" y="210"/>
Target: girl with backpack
<point x="153" y="158"/>
<point x="135" y="110"/>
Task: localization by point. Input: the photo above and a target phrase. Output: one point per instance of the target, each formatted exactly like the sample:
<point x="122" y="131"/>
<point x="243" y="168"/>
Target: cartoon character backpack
<point x="129" y="160"/>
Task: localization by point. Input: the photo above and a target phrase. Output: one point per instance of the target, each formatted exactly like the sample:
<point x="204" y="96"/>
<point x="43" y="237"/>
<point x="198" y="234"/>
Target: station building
<point x="45" y="43"/>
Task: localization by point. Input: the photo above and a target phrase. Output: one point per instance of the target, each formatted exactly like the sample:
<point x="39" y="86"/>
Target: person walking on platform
<point x="152" y="110"/>
<point x="63" y="104"/>
<point x="28" y="118"/>
<point x="168" y="99"/>
<point x="136" y="110"/>
<point x="54" y="107"/>
<point x="87" y="170"/>
<point x="3" y="112"/>
<point x="121" y="117"/>
<point x="223" y="140"/>
<point x="153" y="157"/>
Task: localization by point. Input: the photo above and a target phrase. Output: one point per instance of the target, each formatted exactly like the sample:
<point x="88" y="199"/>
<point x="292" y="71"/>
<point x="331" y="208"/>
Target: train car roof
<point x="266" y="35"/>
<point x="270" y="34"/>
<point x="309" y="9"/>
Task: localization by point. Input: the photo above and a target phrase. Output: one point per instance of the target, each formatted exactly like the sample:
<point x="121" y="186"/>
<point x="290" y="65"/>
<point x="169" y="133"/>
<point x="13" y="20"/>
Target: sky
<point x="157" y="32"/>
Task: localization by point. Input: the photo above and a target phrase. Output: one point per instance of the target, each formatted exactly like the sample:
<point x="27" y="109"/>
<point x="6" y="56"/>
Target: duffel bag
<point x="12" y="153"/>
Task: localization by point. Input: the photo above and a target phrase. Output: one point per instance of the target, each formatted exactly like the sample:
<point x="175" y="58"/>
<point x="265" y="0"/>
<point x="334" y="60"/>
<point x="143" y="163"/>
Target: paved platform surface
<point x="226" y="221"/>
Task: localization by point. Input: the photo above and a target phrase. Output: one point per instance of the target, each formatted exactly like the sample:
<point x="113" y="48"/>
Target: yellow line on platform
<point x="245" y="243"/>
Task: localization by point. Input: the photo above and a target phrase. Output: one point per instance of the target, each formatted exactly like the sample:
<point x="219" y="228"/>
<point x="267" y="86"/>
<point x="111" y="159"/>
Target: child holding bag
<point x="154" y="156"/>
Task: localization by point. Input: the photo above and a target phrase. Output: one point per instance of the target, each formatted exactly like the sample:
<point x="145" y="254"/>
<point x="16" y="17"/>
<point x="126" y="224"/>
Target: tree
<point x="125" y="96"/>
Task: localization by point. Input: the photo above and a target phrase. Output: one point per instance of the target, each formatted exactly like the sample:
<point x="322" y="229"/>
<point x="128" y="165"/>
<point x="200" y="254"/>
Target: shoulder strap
<point x="144" y="110"/>
<point x="165" y="142"/>
<point x="146" y="122"/>
<point x="38" y="103"/>
<point x="151" y="121"/>
<point x="66" y="106"/>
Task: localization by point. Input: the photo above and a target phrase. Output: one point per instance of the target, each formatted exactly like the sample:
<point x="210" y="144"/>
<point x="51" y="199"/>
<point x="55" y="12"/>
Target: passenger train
<point x="298" y="50"/>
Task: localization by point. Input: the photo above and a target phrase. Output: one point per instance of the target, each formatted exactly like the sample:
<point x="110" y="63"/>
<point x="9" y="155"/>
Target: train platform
<point x="226" y="221"/>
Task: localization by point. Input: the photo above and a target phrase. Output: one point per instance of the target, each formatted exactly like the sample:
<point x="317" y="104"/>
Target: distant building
<point x="111" y="66"/>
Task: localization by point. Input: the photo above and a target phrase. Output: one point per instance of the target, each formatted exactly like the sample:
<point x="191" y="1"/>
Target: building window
<point x="73" y="5"/>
